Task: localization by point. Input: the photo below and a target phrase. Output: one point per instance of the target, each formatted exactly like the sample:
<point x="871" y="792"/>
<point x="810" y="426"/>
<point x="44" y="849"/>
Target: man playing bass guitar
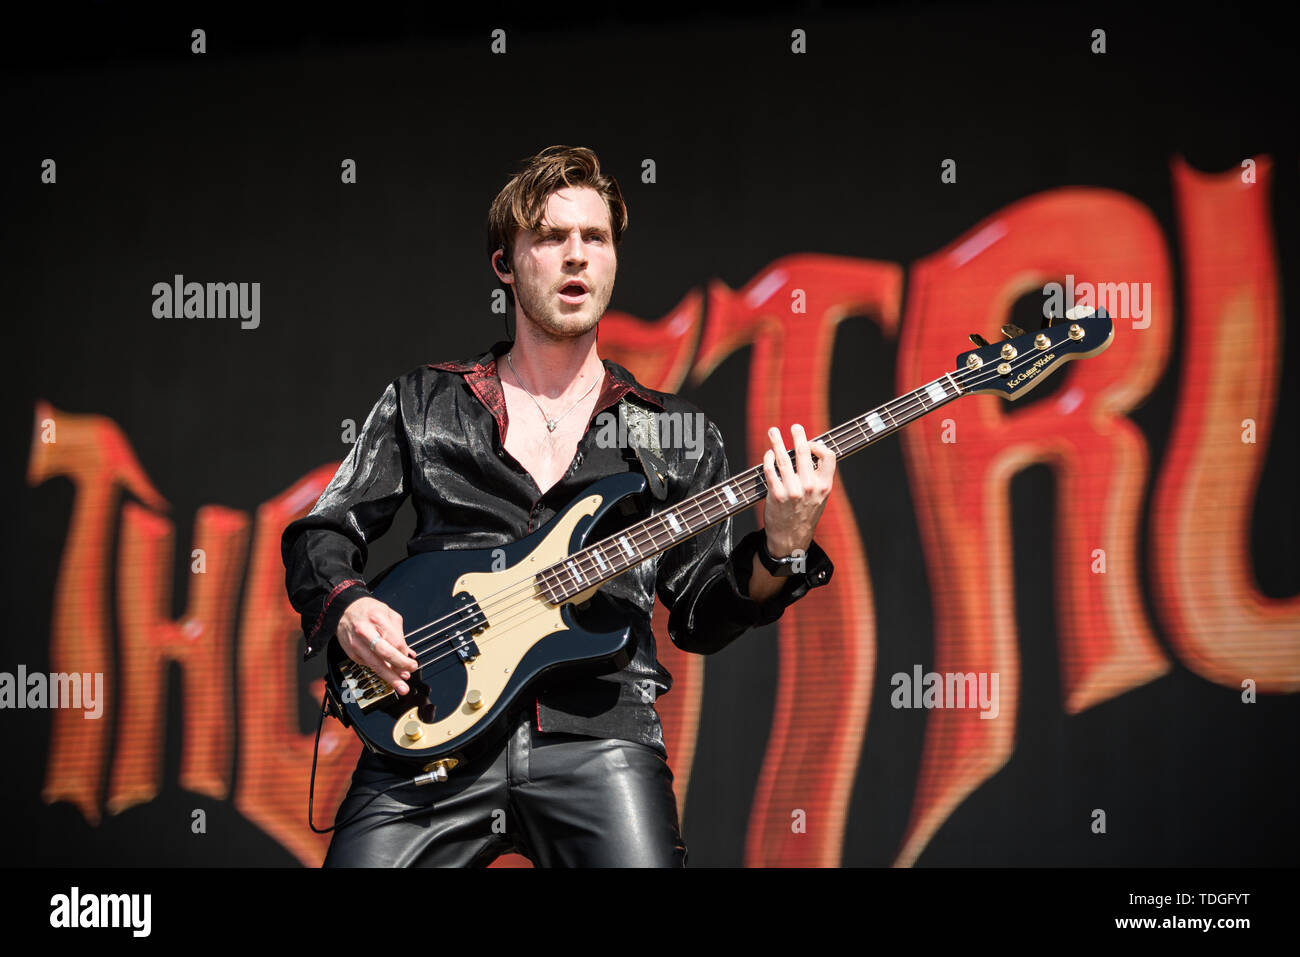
<point x="490" y="449"/>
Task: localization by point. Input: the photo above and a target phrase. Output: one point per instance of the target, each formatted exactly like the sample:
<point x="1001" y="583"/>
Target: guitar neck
<point x="612" y="556"/>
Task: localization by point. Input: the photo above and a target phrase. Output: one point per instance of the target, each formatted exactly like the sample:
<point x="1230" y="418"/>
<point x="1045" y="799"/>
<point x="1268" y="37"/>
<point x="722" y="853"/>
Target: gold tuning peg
<point x="979" y="340"/>
<point x="1011" y="331"/>
<point x="1051" y="317"/>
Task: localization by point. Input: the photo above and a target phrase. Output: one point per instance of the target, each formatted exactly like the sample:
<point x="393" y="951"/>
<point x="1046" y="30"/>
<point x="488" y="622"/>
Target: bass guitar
<point x="485" y="634"/>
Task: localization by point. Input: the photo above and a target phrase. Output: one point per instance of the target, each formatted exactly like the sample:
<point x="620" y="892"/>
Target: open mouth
<point x="573" y="293"/>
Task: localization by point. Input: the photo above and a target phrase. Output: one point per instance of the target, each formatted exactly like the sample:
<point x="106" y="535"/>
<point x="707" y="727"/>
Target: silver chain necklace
<point x="550" y="423"/>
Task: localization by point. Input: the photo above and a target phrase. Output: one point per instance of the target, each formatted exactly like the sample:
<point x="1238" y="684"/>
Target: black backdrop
<point x="227" y="166"/>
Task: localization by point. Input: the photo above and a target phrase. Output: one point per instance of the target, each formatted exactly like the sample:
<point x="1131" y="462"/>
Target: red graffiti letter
<point x="1100" y="458"/>
<point x="1223" y="628"/>
<point x="790" y="312"/>
<point x="199" y="642"/>
<point x="93" y="453"/>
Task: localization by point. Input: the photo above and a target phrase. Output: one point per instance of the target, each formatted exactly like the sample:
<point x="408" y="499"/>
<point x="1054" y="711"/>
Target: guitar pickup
<point x="474" y="623"/>
<point x="467" y="650"/>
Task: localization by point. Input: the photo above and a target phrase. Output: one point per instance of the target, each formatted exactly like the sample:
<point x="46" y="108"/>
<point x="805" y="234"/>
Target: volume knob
<point x="474" y="699"/>
<point x="413" y="730"/>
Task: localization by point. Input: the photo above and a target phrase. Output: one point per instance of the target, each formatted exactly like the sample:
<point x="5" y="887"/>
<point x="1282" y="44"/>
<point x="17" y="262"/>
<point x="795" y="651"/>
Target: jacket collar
<point x="481" y="376"/>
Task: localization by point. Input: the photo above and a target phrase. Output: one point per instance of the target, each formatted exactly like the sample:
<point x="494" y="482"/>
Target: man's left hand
<point x="796" y="493"/>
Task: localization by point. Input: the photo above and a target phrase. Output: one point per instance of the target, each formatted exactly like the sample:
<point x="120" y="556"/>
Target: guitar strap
<point x="641" y="426"/>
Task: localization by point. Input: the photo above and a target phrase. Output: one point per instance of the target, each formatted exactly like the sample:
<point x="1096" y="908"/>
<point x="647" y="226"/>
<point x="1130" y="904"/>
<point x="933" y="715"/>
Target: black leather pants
<point x="561" y="800"/>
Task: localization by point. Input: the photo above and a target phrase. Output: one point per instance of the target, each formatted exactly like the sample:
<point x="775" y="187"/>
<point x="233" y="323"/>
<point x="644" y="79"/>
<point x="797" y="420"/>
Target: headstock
<point x="1013" y="367"/>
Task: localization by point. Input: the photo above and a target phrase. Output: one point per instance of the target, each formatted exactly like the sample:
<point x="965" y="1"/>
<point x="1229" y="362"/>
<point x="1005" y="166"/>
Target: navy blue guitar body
<point x="494" y="637"/>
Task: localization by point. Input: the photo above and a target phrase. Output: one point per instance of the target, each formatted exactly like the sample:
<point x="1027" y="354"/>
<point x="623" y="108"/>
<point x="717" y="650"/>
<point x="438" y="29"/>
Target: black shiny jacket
<point x="437" y="434"/>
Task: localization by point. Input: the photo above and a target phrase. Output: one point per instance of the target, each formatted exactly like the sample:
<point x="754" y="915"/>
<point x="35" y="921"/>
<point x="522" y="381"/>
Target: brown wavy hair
<point x="521" y="204"/>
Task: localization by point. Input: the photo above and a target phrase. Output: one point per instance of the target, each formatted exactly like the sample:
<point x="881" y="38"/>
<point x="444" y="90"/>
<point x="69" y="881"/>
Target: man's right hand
<point x="366" y="620"/>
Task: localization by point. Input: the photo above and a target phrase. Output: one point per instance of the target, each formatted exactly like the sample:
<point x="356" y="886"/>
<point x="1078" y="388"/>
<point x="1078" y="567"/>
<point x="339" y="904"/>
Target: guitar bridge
<point x="362" y="685"/>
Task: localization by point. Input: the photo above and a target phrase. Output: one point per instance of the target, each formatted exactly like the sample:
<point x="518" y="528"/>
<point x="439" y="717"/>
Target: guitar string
<point x="528" y="609"/>
<point x="501" y="625"/>
<point x="551" y="576"/>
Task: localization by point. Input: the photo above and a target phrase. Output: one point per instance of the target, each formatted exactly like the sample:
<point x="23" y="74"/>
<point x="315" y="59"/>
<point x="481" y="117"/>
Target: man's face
<point x="573" y="245"/>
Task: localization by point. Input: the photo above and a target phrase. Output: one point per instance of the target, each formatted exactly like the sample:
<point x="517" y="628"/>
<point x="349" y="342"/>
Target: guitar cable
<point x="429" y="777"/>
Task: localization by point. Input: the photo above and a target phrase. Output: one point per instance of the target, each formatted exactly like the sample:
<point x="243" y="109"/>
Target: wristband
<point x="776" y="567"/>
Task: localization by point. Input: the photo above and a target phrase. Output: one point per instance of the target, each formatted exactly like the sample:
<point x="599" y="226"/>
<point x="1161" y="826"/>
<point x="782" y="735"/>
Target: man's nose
<point x="575" y="251"/>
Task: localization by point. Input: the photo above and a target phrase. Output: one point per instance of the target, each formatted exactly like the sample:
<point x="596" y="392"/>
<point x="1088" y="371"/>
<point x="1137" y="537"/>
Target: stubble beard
<point x="548" y="317"/>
